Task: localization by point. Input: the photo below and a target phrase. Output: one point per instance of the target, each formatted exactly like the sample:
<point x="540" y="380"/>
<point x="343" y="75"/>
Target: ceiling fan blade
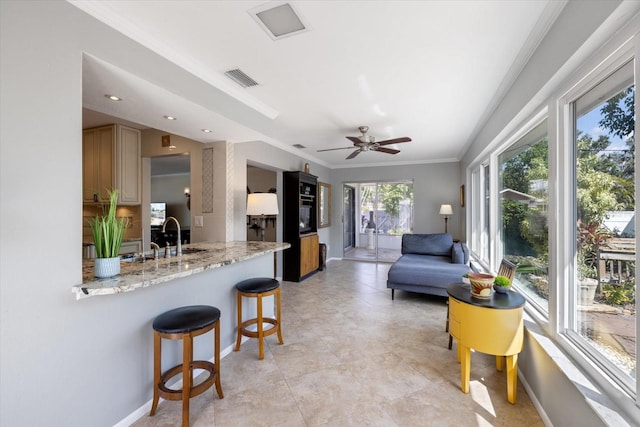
<point x="394" y="141"/>
<point x="352" y="155"/>
<point x="387" y="150"/>
<point x="341" y="148"/>
<point x="356" y="141"/>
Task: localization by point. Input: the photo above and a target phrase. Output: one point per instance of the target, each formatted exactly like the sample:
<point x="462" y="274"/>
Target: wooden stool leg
<point x="278" y="314"/>
<point x="260" y="328"/>
<point x="216" y="356"/>
<point x="187" y="357"/>
<point x="239" y="339"/>
<point x="156" y="371"/>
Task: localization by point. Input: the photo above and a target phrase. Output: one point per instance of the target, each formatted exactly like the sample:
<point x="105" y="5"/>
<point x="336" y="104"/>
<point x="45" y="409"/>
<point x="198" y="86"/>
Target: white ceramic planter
<point x="106" y="267"/>
<point x="587" y="291"/>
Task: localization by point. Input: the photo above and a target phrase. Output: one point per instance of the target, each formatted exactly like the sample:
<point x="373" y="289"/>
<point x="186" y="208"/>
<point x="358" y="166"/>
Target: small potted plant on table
<point x="108" y="233"/>
<point x="501" y="284"/>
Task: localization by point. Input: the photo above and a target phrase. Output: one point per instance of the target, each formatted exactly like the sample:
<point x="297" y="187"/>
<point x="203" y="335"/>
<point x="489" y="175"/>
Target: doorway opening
<point x="376" y="215"/>
<point x="171" y="192"/>
<point x="261" y="180"/>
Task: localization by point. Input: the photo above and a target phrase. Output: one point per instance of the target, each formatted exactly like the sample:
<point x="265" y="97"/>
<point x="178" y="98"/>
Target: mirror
<point x="324" y="205"/>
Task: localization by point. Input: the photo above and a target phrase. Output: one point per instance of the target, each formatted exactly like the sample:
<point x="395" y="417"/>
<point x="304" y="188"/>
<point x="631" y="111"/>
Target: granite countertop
<point x="136" y="275"/>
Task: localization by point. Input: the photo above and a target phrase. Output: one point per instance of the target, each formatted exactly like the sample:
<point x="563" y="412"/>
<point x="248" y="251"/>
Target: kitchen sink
<point x="136" y="258"/>
<point x="186" y="251"/>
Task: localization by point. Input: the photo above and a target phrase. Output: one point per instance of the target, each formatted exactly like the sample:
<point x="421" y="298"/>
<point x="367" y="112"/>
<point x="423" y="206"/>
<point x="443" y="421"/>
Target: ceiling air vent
<point x="241" y="78"/>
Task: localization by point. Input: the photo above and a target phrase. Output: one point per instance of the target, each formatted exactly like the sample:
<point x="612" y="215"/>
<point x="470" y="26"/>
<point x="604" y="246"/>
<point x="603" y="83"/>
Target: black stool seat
<point x="257" y="285"/>
<point x="186" y="319"/>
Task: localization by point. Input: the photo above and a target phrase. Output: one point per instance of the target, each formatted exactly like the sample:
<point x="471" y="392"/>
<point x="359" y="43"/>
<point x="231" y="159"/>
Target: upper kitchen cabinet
<point x="111" y="160"/>
<point x="128" y="166"/>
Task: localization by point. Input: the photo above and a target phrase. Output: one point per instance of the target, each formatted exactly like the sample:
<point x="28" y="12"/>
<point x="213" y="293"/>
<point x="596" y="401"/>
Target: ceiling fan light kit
<point x="365" y="142"/>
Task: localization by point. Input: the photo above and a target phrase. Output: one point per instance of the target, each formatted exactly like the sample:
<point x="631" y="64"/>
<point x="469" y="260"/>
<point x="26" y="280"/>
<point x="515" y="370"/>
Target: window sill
<point x="609" y="403"/>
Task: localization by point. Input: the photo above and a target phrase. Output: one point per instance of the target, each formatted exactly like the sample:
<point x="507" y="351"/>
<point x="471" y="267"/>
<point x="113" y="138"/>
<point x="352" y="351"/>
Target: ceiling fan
<point x="368" y="143"/>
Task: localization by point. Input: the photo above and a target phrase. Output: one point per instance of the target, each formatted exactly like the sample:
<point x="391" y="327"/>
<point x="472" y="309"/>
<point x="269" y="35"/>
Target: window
<point x="523" y="175"/>
<point x="557" y="198"/>
<point x="486" y="217"/>
<point x="601" y="305"/>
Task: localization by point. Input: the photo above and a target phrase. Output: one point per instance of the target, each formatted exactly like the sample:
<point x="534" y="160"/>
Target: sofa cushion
<point x="427" y="244"/>
<point x="457" y="254"/>
<point x="425" y="270"/>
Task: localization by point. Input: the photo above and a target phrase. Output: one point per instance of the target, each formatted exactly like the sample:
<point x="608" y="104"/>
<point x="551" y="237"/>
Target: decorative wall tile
<point x="207" y="180"/>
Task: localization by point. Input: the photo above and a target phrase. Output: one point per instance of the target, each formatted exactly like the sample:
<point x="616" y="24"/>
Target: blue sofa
<point x="429" y="263"/>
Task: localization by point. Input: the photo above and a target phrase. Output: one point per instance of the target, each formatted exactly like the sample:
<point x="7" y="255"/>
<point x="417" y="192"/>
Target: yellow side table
<point x="492" y="326"/>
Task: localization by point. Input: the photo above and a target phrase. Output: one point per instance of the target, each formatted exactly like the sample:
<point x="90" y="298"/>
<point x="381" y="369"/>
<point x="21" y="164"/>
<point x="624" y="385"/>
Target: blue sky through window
<point x="590" y="124"/>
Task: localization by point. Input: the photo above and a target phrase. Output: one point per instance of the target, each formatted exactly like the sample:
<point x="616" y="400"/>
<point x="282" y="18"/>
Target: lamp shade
<point x="446" y="210"/>
<point x="262" y="204"/>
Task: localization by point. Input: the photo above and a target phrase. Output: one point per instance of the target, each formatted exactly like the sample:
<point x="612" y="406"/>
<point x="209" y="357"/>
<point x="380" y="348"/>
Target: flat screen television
<point x="305" y="219"/>
<point x="158" y="214"/>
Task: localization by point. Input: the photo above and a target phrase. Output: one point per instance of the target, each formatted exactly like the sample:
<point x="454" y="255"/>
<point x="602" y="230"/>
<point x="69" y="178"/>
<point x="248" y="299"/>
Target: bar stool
<point x="185" y="323"/>
<point x="258" y="288"/>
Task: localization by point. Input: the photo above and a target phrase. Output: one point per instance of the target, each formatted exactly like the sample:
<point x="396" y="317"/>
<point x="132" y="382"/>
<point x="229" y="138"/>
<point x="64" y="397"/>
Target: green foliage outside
<point x="391" y="195"/>
<point x="605" y="182"/>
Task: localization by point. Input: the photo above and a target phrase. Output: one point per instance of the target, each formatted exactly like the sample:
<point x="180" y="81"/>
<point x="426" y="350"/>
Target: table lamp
<point x="262" y="204"/>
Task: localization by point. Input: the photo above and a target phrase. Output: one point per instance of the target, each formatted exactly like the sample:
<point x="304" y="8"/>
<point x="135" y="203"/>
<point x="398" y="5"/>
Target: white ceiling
<point x="430" y="70"/>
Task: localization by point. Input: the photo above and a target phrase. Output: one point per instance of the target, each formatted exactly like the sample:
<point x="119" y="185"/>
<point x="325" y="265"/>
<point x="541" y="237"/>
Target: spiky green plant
<point x="108" y="231"/>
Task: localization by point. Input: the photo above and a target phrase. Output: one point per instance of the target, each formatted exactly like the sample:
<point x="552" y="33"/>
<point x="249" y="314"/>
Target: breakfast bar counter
<point x="196" y="258"/>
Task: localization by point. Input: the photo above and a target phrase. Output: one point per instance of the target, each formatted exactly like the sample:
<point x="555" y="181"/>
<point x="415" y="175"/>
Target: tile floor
<point x="353" y="357"/>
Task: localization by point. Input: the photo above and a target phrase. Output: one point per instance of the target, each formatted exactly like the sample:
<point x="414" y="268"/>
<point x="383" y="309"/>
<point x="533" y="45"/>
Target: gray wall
<point x="62" y="361"/>
<point x="268" y="157"/>
<point x="433" y="185"/>
<point x="170" y="190"/>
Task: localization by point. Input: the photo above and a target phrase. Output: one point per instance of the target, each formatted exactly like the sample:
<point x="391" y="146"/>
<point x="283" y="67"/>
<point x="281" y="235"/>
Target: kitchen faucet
<point x="179" y="244"/>
<point x="156" y="249"/>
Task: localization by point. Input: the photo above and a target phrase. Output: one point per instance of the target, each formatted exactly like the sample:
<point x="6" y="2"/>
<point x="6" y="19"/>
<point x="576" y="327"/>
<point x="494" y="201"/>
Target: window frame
<point x="583" y="353"/>
<point x="562" y="199"/>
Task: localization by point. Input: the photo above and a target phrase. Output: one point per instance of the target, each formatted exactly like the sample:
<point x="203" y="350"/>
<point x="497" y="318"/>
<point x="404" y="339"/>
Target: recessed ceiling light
<point x="113" y="97"/>
<point x="207" y="130"/>
<point x="279" y="21"/>
<point x="170" y="118"/>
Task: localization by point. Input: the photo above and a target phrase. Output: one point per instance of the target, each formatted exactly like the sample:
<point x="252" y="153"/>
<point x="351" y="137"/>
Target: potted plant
<point x="108" y="233"/>
<point x="587" y="282"/>
<point x="501" y="284"/>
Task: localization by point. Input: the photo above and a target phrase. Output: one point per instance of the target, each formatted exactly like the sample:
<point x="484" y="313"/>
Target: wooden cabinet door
<point x="309" y="254"/>
<point x="97" y="163"/>
<point x="128" y="166"/>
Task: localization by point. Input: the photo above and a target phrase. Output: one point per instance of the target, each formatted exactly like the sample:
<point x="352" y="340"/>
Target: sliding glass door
<point x="377" y="217"/>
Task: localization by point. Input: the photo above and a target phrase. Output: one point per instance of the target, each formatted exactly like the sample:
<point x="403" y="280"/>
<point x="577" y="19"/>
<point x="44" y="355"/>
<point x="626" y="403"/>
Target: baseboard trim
<point x="534" y="399"/>
<point x="146" y="407"/>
